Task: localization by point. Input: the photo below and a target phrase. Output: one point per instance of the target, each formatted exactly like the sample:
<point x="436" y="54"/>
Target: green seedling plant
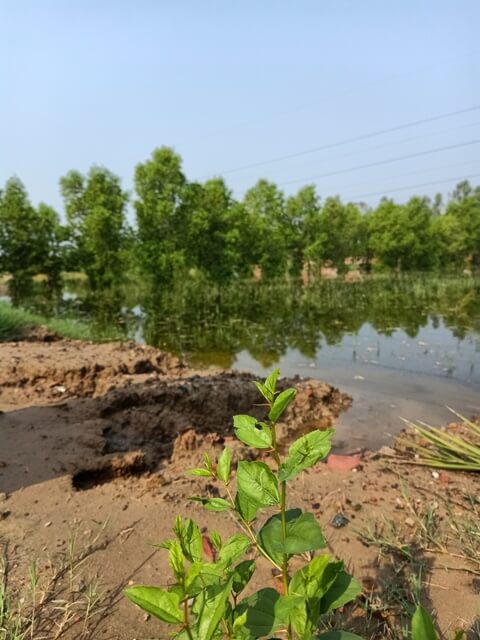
<point x="423" y="627"/>
<point x="205" y="599"/>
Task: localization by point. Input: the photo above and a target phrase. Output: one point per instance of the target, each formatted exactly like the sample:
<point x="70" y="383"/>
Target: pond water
<point x="404" y="346"/>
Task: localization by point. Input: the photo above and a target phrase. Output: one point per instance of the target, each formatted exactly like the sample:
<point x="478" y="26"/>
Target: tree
<point x="459" y="228"/>
<point x="19" y="250"/>
<point x="95" y="207"/>
<point x="265" y="208"/>
<point x="303" y="211"/>
<point x="206" y="214"/>
<point x="338" y="230"/>
<point x="402" y="236"/>
<point x="160" y="212"/>
<point x="51" y="236"/>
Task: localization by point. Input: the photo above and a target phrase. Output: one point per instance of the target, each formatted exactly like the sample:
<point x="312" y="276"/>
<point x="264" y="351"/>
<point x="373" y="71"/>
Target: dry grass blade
<point x="439" y="448"/>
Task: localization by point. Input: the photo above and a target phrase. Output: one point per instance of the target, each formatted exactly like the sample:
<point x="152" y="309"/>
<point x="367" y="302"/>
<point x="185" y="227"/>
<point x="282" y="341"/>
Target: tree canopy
<point x="182" y="228"/>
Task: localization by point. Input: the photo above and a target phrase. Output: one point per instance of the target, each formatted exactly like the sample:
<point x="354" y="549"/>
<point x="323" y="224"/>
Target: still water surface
<point x="404" y="346"/>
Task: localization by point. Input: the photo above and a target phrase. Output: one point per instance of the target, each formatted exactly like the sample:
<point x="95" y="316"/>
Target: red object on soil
<point x="342" y="463"/>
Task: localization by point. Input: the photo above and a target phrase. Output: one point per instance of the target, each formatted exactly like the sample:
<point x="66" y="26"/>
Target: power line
<point x="339" y="143"/>
<point x="415" y="186"/>
<point x="404" y="175"/>
<point x="345" y="92"/>
<point x="387" y="144"/>
<point x="381" y="162"/>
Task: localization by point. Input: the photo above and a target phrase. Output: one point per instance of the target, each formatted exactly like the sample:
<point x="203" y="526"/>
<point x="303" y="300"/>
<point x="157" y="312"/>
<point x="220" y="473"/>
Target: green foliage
<point x="95" y="207"/>
<point x="423" y="627"/>
<point x="305" y="452"/>
<point x="203" y="600"/>
<point x="302" y="534"/>
<point x="164" y="605"/>
<point x="402" y="236"/>
<point x="251" y="432"/>
<point x="16" y="323"/>
<point x="265" y="208"/>
<point x="29" y="241"/>
<point x="161" y="210"/>
<point x="199" y="231"/>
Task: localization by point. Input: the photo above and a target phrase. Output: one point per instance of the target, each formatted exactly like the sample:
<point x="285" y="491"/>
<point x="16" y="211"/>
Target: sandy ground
<point x="94" y="442"/>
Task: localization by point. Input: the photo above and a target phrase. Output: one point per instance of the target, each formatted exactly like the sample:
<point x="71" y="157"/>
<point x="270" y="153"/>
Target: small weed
<point x="53" y="600"/>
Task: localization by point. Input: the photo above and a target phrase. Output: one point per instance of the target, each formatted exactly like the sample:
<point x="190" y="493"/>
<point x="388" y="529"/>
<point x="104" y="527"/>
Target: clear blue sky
<point x="229" y="84"/>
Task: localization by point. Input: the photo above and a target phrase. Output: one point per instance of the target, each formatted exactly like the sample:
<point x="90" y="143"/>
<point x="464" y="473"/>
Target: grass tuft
<point x="443" y="449"/>
<point x="16" y="323"/>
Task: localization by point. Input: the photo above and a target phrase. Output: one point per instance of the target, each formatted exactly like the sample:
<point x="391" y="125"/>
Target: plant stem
<point x="185" y="619"/>
<point x="283" y="502"/>
<point x="249" y="531"/>
<point x="283" y="517"/>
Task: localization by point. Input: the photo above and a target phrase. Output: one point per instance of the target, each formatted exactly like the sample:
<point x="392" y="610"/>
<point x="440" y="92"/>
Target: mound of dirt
<point x="96" y="412"/>
<point x="45" y="368"/>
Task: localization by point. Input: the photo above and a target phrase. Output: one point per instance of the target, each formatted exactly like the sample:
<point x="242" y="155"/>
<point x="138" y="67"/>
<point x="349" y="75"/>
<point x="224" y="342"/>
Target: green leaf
<point x="315" y="579"/>
<point x="190" y="538"/>
<point x="260" y="609"/>
<point x="208" y="463"/>
<point x="240" y="621"/>
<point x="224" y="465"/>
<point x="344" y="589"/>
<point x="157" y="602"/>
<point x="245" y="507"/>
<point x="281" y="403"/>
<point x="204" y="473"/>
<point x="256" y="482"/>
<point x="271" y="381"/>
<point x="176" y="559"/>
<point x="251" y="432"/>
<point x="264" y="391"/>
<point x="242" y="575"/>
<point x="212" y="504"/>
<point x="292" y="610"/>
<point x="422" y="625"/>
<point x="216" y="540"/>
<point x="234" y="548"/>
<point x="338" y="635"/>
<point x="305" y="453"/>
<point x="203" y="574"/>
<point x="213" y="609"/>
<point x="303" y="534"/>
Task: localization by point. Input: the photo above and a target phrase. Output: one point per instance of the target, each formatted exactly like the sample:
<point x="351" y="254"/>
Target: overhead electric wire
<point x="401" y="175"/>
<point x="415" y="186"/>
<point x="345" y="92"/>
<point x="387" y="144"/>
<point x="382" y="162"/>
<point x="366" y="136"/>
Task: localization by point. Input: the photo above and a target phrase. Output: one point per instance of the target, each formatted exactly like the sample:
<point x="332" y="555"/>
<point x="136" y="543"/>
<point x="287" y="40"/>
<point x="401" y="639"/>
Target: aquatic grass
<point x="440" y="448"/>
<point x="16" y="323"/>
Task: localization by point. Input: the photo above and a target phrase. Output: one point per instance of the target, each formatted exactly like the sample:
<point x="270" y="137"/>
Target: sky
<point x="256" y="84"/>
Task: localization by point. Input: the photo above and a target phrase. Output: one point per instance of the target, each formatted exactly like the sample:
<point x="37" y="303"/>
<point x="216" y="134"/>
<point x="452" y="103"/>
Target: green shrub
<point x="205" y="599"/>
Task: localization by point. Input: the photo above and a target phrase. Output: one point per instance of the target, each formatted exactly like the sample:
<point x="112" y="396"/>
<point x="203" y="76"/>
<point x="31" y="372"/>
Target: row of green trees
<point x="182" y="226"/>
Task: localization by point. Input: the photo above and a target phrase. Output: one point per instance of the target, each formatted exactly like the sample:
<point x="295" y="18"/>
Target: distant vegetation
<point x="17" y="323"/>
<point x="191" y="228"/>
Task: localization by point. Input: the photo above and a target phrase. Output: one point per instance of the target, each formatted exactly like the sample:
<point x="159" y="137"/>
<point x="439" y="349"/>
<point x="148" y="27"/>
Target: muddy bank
<point x="95" y="412"/>
<point x="44" y="367"/>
